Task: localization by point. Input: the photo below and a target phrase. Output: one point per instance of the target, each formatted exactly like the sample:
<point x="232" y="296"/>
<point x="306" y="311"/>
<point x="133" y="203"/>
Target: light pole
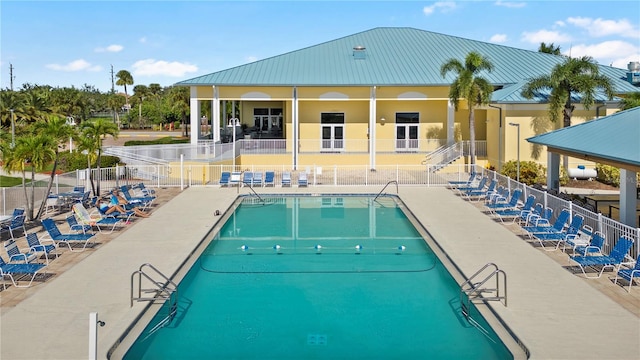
<point x="518" y="127"/>
<point x="13" y="130"/>
<point x="233" y="122"/>
<point x="140" y="111"/>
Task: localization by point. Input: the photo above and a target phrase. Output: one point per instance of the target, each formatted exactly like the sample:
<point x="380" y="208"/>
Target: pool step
<point x="316" y="339"/>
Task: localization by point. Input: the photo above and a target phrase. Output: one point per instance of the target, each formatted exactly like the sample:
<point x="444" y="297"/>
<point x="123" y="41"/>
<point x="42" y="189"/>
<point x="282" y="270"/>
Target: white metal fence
<point x="189" y="175"/>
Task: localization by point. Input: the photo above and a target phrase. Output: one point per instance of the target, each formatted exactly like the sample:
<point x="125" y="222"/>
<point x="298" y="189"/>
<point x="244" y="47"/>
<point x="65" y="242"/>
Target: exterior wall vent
<point x="359" y="52"/>
<point x="633" y="75"/>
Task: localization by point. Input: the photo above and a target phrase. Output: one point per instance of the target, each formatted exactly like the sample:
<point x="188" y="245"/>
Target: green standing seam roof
<point x="394" y="56"/>
<point x="615" y="137"/>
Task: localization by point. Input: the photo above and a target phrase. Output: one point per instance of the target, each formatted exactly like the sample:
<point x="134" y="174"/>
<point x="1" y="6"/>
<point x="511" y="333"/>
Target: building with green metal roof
<point x="378" y="98"/>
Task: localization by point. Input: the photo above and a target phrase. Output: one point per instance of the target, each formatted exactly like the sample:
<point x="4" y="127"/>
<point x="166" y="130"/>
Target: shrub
<point x="159" y="141"/>
<point x="78" y="161"/>
<point x="530" y="172"/>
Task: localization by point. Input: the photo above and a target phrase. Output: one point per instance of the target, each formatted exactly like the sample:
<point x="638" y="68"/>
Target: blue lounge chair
<point x="269" y="178"/>
<point x="286" y="178"/>
<point x="12" y="270"/>
<point x="37" y="246"/>
<point x="84" y="218"/>
<point x="247" y="178"/>
<point x="143" y="189"/>
<point x="472" y="176"/>
<point x="224" y="178"/>
<point x="514" y="213"/>
<point x="539" y="219"/>
<point x="545" y="226"/>
<point x="75" y="226"/>
<point x="257" y="178"/>
<point x="617" y="255"/>
<point x="17" y="222"/>
<point x="478" y="187"/>
<point x="595" y="245"/>
<point x="629" y="274"/>
<point x="142" y="201"/>
<point x="55" y="235"/>
<point x="478" y="194"/>
<point x="569" y="234"/>
<point x="16" y="255"/>
<point x="302" y="179"/>
<point x="536" y="210"/>
<point x="511" y="204"/>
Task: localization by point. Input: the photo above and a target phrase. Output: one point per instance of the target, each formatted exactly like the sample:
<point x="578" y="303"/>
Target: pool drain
<point x="316" y="339"/>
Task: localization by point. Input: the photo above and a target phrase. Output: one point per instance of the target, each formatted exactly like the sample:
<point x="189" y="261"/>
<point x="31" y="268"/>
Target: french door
<point x="407" y="125"/>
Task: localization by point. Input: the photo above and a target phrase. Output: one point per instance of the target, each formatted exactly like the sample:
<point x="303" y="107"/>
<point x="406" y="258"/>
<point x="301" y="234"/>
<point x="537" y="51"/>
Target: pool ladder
<point x="160" y="290"/>
<point x="472" y="291"/>
<point x="389" y="183"/>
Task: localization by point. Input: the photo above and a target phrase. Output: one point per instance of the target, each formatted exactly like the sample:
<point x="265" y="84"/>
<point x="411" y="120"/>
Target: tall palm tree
<point x="57" y="128"/>
<point x="124" y="78"/>
<point x="97" y="130"/>
<point x="37" y="150"/>
<point x="571" y="77"/>
<point x="469" y="85"/>
<point x="179" y="104"/>
<point x="630" y="101"/>
<point x="549" y="49"/>
<point x="88" y="144"/>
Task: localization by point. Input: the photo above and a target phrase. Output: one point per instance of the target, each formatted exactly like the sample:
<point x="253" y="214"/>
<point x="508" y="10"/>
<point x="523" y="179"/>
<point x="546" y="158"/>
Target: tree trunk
<point x="51" y="179"/>
<point x="567" y="113"/>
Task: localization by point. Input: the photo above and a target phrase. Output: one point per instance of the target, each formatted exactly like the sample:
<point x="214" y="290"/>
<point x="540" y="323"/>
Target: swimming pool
<point x="318" y="277"/>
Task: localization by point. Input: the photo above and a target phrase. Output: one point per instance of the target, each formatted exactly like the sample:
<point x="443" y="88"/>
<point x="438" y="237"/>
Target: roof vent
<point x="633" y="75"/>
<point x="359" y="52"/>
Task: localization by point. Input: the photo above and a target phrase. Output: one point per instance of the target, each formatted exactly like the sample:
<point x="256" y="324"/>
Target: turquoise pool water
<point x="318" y="278"/>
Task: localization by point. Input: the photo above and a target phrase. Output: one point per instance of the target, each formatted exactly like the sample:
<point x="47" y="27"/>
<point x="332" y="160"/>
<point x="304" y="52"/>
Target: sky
<point x="73" y="43"/>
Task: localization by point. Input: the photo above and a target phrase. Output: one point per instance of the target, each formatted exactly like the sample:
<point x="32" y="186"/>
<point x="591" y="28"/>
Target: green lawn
<point x="9" y="181"/>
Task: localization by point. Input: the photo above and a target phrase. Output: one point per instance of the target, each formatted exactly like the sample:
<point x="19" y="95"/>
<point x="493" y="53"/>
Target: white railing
<point x="190" y="175"/>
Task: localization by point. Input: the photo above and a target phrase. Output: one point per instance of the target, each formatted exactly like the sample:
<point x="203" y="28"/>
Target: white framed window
<point x="332" y="131"/>
<point x="407" y="130"/>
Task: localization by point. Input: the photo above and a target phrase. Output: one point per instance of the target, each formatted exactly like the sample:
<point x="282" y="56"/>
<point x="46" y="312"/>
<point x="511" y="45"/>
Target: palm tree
<point x="471" y="86"/>
<point x="37" y="150"/>
<point x="549" y="49"/>
<point x="571" y="77"/>
<point x="59" y="131"/>
<point x="124" y="78"/>
<point x="630" y="101"/>
<point x="179" y="104"/>
<point x="97" y="130"/>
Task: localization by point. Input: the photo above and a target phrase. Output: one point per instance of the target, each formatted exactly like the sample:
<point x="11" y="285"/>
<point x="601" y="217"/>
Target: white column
<point x="194" y="119"/>
<point x="553" y="170"/>
<point x="628" y="200"/>
<point x="215" y="114"/>
<point x="294" y="124"/>
<point x="372" y="128"/>
<point x="451" y="117"/>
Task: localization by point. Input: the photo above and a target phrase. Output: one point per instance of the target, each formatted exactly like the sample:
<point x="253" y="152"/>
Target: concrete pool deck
<point x="556" y="314"/>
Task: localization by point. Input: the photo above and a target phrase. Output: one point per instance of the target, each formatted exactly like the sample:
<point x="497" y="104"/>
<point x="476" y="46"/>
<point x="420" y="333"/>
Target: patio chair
<point x="17" y="222"/>
<point x="12" y="270"/>
<point x="615" y="258"/>
<point x="536" y="210"/>
<point x="302" y="179"/>
<point x="54" y="234"/>
<point x="629" y="273"/>
<point x="569" y="234"/>
<point x="286" y="179"/>
<point x="269" y="177"/>
<point x="53" y="203"/>
<point x="545" y="226"/>
<point x="140" y="187"/>
<point x="247" y="178"/>
<point x="235" y="178"/>
<point x="468" y="182"/>
<point x="17" y="255"/>
<point x="78" y="189"/>
<point x="257" y="178"/>
<point x="224" y="178"/>
<point x="37" y="246"/>
<point x="478" y="187"/>
<point x="500" y="204"/>
<point x="594" y="246"/>
<point x="514" y="213"/>
<point x="75" y="226"/>
<point x="479" y="194"/>
<point x="85" y="218"/>
<point x="143" y="201"/>
<point x="539" y="219"/>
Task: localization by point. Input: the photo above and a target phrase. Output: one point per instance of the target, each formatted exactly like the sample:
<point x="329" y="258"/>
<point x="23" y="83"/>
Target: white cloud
<point x="545" y="36"/>
<point x="443" y="6"/>
<point x="153" y="67"/>
<point x="560" y="23"/>
<point x="616" y="52"/>
<point x="143" y="40"/>
<point x="252" y="58"/>
<point x="498" y="38"/>
<point x="110" y="48"/>
<point x="601" y="27"/>
<point x="76" y="65"/>
<point x="510" y="4"/>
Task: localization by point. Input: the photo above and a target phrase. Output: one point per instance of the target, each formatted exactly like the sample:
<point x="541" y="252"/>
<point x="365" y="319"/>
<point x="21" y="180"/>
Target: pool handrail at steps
<point x="380" y="193"/>
<point x="163" y="291"/>
<point x="474" y="290"/>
